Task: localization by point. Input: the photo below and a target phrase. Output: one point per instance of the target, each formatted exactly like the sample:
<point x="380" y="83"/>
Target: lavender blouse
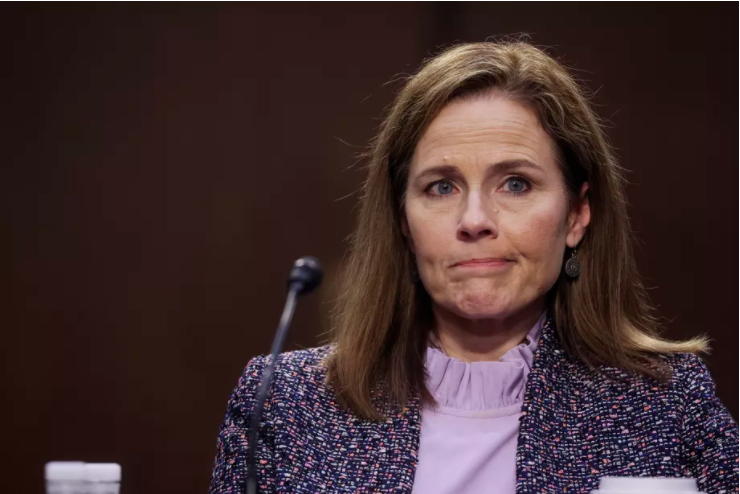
<point x="468" y="441"/>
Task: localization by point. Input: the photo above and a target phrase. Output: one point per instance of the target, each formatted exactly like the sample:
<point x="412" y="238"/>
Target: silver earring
<point x="414" y="271"/>
<point x="573" y="265"/>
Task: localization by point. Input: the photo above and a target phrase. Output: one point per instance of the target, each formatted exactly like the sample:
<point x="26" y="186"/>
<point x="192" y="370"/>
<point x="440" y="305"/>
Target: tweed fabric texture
<point x="578" y="425"/>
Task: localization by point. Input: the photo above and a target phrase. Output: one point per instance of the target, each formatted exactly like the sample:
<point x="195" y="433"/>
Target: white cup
<point x="65" y="477"/>
<point x="103" y="478"/>
<point x="647" y="485"/>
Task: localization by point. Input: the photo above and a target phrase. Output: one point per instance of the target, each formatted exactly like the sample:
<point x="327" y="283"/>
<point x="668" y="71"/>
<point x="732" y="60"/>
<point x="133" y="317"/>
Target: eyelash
<point x="528" y="187"/>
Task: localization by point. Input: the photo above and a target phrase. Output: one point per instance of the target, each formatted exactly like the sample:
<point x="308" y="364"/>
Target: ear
<point x="407" y="234"/>
<point x="579" y="218"/>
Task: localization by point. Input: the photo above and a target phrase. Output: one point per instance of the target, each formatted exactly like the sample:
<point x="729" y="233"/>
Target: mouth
<point x="488" y="262"/>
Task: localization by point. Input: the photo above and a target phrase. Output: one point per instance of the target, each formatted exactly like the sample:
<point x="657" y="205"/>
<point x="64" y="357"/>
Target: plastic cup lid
<point x="637" y="485"/>
<point x="64" y="470"/>
<point x="103" y="472"/>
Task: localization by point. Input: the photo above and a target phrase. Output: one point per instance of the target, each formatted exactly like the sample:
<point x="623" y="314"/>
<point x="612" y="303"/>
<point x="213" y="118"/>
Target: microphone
<point x="305" y="276"/>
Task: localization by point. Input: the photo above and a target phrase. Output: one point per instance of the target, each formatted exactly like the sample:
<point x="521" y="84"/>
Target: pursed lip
<point x="482" y="262"/>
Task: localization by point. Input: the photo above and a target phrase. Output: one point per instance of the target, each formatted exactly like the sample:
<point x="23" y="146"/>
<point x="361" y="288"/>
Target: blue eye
<point x="444" y="187"/>
<point x="440" y="188"/>
<point x="517" y="185"/>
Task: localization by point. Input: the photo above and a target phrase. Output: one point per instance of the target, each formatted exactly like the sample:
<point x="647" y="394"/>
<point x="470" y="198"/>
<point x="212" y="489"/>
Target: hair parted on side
<point x="382" y="319"/>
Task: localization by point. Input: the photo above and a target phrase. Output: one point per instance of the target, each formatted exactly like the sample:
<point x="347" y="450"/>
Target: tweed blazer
<point x="578" y="425"/>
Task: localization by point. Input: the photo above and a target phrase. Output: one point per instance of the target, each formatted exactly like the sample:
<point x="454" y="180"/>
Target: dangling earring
<point x="573" y="265"/>
<point x="414" y="271"/>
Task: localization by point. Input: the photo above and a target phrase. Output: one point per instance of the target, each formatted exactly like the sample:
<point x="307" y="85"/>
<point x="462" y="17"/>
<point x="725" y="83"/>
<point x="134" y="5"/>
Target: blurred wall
<point x="164" y="165"/>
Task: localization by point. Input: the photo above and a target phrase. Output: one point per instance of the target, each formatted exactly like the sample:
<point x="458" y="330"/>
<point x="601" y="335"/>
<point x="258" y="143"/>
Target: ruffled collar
<point x="479" y="386"/>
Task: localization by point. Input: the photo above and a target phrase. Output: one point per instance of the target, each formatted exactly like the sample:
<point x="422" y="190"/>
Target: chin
<point x="481" y="305"/>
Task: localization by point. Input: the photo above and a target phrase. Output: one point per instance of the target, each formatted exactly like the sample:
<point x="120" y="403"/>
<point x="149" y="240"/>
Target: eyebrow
<point x="506" y="166"/>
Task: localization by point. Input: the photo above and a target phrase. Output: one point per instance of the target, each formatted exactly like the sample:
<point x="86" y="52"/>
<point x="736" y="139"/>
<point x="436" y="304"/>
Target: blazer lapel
<point x="397" y="447"/>
<point x="554" y="449"/>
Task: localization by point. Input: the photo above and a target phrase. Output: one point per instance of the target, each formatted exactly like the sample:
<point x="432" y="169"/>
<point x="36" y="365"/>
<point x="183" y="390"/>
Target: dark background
<point x="163" y="165"/>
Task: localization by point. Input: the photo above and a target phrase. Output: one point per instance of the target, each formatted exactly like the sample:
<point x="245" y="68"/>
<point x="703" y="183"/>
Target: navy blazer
<point x="578" y="425"/>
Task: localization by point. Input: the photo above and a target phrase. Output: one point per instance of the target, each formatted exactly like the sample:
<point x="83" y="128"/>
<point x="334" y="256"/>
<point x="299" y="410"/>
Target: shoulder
<point x="296" y="358"/>
<point x="689" y="381"/>
<point x="690" y="375"/>
<point x="686" y="364"/>
<point x="302" y="367"/>
<point x="685" y="369"/>
<point x="293" y="370"/>
<point x="687" y="375"/>
<point x="638" y="402"/>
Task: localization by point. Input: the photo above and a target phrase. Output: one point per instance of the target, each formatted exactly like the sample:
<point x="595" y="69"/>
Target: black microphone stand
<point x="304" y="277"/>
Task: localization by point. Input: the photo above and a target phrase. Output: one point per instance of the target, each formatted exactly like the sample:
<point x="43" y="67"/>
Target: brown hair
<point x="382" y="319"/>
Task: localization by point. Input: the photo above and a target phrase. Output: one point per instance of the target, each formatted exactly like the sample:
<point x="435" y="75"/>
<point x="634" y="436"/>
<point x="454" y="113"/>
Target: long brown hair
<point x="382" y="318"/>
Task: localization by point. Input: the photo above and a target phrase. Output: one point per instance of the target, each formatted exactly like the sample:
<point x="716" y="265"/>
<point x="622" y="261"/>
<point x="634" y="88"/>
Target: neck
<point x="476" y="340"/>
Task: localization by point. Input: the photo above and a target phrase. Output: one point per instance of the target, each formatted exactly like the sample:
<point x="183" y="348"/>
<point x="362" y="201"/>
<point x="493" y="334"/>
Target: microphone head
<point x="306" y="274"/>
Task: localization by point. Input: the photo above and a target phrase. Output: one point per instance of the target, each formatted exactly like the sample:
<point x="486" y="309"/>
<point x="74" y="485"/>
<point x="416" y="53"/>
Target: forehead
<point x="488" y="124"/>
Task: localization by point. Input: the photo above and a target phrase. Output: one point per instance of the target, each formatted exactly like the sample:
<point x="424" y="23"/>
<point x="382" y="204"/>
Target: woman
<point x="493" y="334"/>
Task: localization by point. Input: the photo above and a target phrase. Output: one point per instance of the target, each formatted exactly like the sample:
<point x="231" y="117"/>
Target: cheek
<point x="430" y="232"/>
<point x="539" y="236"/>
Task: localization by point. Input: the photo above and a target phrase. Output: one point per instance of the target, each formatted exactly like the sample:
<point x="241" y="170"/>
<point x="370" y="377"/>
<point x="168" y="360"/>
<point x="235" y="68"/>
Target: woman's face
<point x="486" y="209"/>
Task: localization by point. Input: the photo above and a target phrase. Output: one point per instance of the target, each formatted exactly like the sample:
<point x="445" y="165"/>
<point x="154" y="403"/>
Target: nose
<point x="476" y="223"/>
